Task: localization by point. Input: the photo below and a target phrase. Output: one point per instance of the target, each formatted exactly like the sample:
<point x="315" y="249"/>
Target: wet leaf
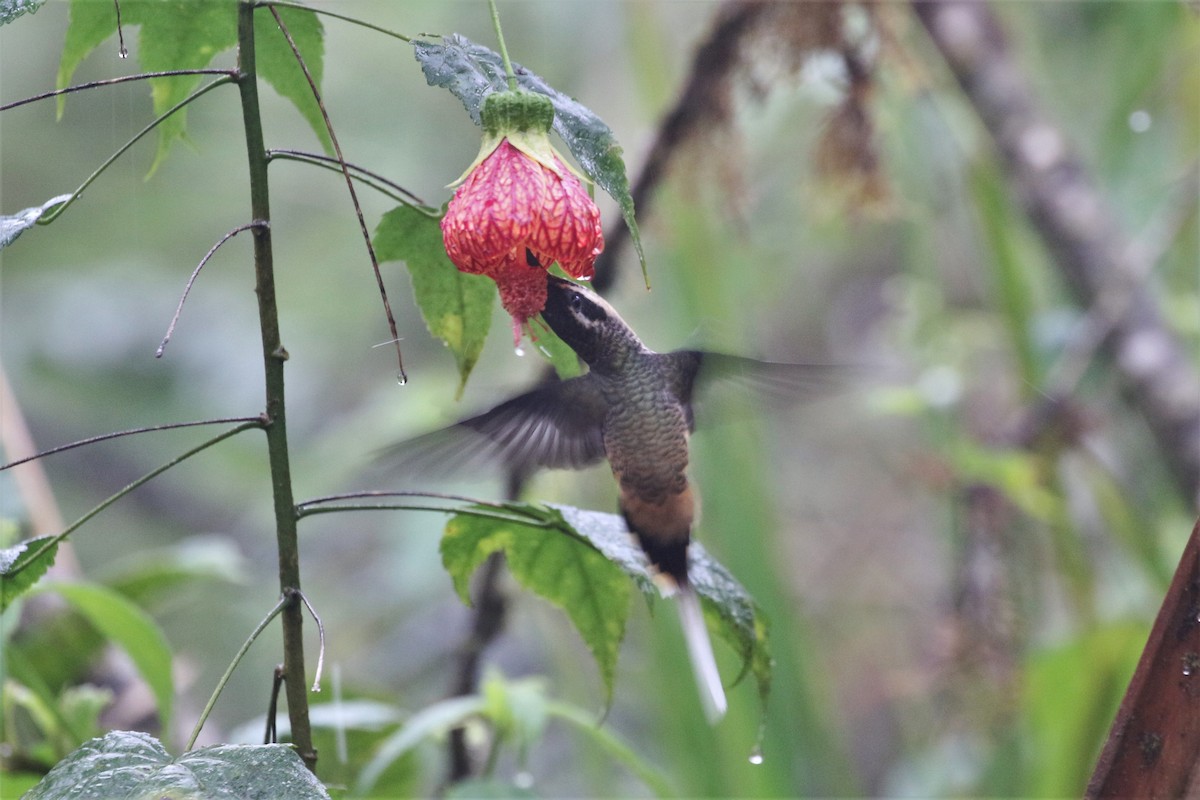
<point x="277" y="63"/>
<point x="728" y="607"/>
<point x="457" y="307"/>
<point x="134" y="765"/>
<point x="554" y="539"/>
<point x="471" y="71"/>
<point x="11" y="9"/>
<point x="21" y="566"/>
<point x="566" y="570"/>
<point x="14" y="226"/>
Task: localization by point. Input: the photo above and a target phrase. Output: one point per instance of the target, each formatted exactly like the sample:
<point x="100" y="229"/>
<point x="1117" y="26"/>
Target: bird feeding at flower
<point x="635" y="408"/>
<point x="519" y="208"/>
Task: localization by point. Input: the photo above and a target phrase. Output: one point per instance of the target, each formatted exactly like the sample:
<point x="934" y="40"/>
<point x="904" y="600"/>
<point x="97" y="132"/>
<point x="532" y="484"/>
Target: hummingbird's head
<point x="588" y="324"/>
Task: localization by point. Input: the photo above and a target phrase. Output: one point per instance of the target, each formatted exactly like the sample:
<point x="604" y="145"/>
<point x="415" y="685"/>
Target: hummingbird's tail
<point x="708" y="679"/>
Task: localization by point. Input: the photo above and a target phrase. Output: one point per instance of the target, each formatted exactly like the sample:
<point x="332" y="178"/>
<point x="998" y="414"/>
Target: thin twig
<point x="362" y="223"/>
<point x="141" y="76"/>
<point x="212" y="700"/>
<point x="316" y="687"/>
<point x="195" y="273"/>
<point x="305" y="157"/>
<point x="53" y="215"/>
<point x="271" y="734"/>
<point x="698" y="108"/>
<point x="491" y="610"/>
<point x="306" y="506"/>
<point x="49" y="543"/>
<point x="468" y="512"/>
<point x="148" y="429"/>
<point x="344" y="18"/>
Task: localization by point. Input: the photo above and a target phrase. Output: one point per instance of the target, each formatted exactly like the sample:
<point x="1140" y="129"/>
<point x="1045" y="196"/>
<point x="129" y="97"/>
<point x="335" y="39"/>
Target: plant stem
<point x="274" y="356"/>
<point x="508" y="67"/>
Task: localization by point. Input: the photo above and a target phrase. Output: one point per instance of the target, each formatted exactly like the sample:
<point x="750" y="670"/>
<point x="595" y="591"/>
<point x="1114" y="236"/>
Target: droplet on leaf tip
<point x="520" y="351"/>
<point x="123" y="53"/>
<point x="756" y="756"/>
<point x="402" y="379"/>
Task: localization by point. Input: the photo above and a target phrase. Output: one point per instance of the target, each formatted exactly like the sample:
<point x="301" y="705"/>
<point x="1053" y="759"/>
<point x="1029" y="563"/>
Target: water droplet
<point x="123" y="53"/>
<point x="402" y="379"/>
<point x="523" y="780"/>
<point x="1140" y="121"/>
<point x="756" y="756"/>
<point x="1191" y="663"/>
<point x="520" y="351"/>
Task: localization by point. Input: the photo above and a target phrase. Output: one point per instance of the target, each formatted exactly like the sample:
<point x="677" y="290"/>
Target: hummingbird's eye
<point x="576" y="301"/>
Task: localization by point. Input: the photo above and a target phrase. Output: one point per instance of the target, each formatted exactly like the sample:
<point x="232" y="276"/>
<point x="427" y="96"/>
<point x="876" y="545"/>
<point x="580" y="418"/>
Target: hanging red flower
<point x="519" y="208"/>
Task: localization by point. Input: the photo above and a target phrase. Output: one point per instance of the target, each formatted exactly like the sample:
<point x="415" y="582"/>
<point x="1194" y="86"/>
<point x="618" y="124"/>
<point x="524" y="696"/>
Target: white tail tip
<point x="695" y="632"/>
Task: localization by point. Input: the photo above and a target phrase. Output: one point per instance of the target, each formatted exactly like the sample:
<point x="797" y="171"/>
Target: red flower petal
<point x="495" y="211"/>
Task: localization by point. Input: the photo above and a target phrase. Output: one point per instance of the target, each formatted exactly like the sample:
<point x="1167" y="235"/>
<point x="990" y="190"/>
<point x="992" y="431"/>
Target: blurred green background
<point x="952" y="613"/>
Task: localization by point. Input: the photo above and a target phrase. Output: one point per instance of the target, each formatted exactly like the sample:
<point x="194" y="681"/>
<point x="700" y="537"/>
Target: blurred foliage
<point x="956" y="604"/>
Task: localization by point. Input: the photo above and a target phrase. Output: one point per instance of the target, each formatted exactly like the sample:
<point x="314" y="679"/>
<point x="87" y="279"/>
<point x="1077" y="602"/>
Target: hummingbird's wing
<point x="699" y="375"/>
<point x="557" y="425"/>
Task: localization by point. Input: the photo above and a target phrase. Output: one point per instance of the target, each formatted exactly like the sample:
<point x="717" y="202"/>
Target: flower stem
<point x="508" y="68"/>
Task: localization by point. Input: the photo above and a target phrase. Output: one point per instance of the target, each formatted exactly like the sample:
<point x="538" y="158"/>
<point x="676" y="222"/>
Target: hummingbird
<point x="634" y="407"/>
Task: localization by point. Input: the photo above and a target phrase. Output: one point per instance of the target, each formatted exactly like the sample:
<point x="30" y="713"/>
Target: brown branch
<point x="1097" y="258"/>
<point x="1153" y="746"/>
<point x="491" y="612"/>
<point x="702" y="98"/>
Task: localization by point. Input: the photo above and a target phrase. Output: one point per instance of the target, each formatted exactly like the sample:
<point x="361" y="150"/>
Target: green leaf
<point x="457" y="307"/>
<point x="188" y="35"/>
<point x="488" y="789"/>
<point x="11" y="9"/>
<point x="20" y="782"/>
<point x="1070" y="694"/>
<point x="728" y="607"/>
<point x="471" y="72"/>
<point x="277" y="63"/>
<point x="88" y="25"/>
<point x="534" y="536"/>
<point x="147" y="576"/>
<point x="133" y="765"/>
<point x="81" y="707"/>
<point x="14" y="226"/>
<point x="20" y="569"/>
<point x="430" y="721"/>
<point x="132" y="629"/>
<point x="517" y="708"/>
<point x="563" y="569"/>
<point x="635" y="762"/>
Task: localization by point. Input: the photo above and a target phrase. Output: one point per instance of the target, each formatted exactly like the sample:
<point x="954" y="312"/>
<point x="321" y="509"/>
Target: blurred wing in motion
<point x="704" y="379"/>
<point x="557" y="425"/>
